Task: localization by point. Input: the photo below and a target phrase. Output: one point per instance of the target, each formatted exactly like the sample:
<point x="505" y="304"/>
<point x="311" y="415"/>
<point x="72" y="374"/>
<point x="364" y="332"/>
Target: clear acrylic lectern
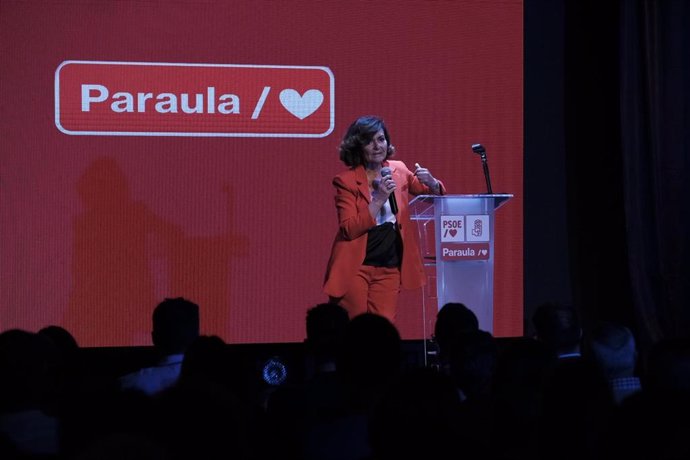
<point x="456" y="235"/>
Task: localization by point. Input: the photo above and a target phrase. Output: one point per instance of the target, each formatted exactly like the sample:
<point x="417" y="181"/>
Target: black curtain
<point x="627" y="128"/>
<point x="655" y="139"/>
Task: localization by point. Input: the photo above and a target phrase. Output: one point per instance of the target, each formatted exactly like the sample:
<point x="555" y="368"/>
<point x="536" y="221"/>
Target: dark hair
<point x="325" y="322"/>
<point x="371" y="350"/>
<point x="613" y="347"/>
<point x="175" y="324"/>
<point x="359" y="134"/>
<point x="557" y="325"/>
<point x="61" y="337"/>
<point x="452" y="319"/>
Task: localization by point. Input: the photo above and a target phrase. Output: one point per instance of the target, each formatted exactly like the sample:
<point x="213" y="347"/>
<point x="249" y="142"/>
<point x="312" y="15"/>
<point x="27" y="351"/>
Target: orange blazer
<point x="352" y="199"/>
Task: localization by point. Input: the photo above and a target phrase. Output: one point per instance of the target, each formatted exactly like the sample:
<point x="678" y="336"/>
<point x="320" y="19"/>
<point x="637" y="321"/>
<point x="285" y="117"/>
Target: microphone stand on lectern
<point x="481" y="151"/>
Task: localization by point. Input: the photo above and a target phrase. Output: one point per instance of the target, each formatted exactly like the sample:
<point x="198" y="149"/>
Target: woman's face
<point x="377" y="149"/>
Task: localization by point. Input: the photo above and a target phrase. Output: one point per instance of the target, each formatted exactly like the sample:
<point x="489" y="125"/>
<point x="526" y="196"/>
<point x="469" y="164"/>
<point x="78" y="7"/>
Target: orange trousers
<point x="374" y="290"/>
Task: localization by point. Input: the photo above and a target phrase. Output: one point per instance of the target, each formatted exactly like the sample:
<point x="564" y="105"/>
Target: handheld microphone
<point x="386" y="171"/>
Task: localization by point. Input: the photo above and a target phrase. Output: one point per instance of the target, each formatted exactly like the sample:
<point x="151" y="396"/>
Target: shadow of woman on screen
<point x="112" y="274"/>
<point x="200" y="267"/>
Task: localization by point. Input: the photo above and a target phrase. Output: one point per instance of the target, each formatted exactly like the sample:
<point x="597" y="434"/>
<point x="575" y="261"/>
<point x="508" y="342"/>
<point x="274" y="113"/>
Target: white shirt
<point x="385" y="215"/>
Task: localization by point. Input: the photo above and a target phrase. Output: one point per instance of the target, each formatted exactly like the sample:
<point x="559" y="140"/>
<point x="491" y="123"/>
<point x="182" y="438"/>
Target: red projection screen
<point x="160" y="149"/>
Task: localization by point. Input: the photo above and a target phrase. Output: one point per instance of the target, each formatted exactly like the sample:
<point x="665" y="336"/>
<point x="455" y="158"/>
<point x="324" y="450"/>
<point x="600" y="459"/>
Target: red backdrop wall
<point x="96" y="229"/>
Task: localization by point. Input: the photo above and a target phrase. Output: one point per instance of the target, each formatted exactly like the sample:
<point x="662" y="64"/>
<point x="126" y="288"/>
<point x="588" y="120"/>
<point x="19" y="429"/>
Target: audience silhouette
<point x="652" y="423"/>
<point x="613" y="349"/>
<point x="550" y="396"/>
<point x="368" y="362"/>
<point x="558" y="326"/>
<point x="473" y="359"/>
<point x="522" y="367"/>
<point x="292" y="410"/>
<point x="205" y="414"/>
<point x="452" y="320"/>
<point x="65" y="343"/>
<point x="325" y="324"/>
<point x="27" y="373"/>
<point x="420" y="417"/>
<point x="175" y="327"/>
<point x="576" y="401"/>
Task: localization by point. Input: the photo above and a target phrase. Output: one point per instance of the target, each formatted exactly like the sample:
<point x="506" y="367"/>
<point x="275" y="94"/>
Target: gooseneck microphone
<point x="481" y="151"/>
<point x="386" y="171"/>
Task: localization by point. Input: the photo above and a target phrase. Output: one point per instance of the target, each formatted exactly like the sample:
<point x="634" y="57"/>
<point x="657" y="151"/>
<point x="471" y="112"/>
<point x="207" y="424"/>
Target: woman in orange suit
<point x="375" y="251"/>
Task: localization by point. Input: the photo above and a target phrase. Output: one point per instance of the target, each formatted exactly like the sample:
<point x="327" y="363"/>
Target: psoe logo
<point x="452" y="229"/>
<point x="172" y="99"/>
<point x="478" y="227"/>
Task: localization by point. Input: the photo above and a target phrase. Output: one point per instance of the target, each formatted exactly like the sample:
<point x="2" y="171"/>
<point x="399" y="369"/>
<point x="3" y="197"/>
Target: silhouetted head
<point x="558" y="326"/>
<point x="325" y="324"/>
<point x="523" y="363"/>
<point x="27" y="365"/>
<point x="613" y="348"/>
<point x="453" y="319"/>
<point x="175" y="325"/>
<point x="371" y="350"/>
<point x="471" y="362"/>
<point x="61" y="337"/>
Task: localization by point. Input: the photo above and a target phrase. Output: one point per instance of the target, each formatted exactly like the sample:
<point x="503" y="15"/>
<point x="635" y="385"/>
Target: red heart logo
<point x="453" y="232"/>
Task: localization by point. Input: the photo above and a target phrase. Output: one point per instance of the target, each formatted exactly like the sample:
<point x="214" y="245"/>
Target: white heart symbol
<point x="483" y="252"/>
<point x="301" y="106"/>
